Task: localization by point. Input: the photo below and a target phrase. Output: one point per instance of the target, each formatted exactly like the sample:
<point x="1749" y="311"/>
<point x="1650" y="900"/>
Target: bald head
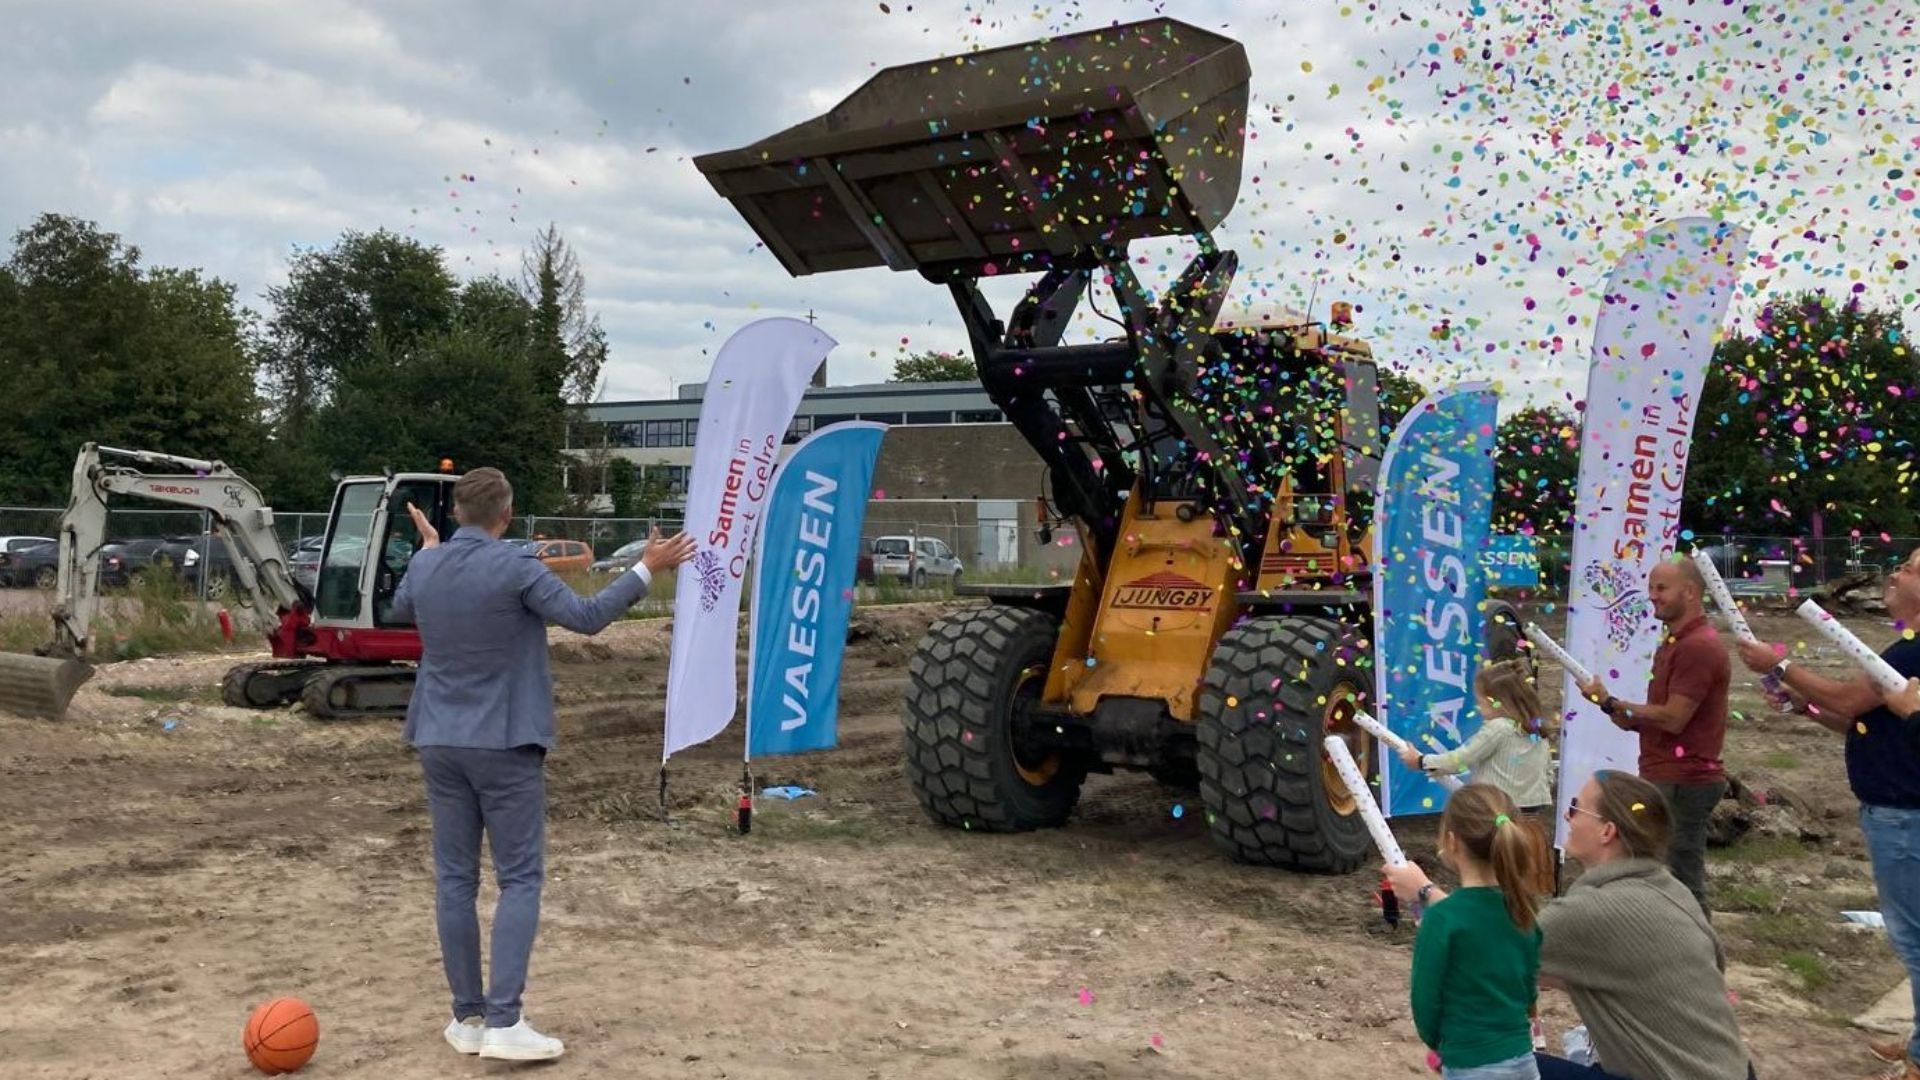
<point x="1676" y="588"/>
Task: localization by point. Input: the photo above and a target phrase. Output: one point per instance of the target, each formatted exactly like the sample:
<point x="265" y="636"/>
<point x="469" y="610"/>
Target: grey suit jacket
<point x="482" y="607"/>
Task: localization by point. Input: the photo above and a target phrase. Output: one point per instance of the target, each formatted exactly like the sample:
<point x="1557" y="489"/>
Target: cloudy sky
<point x="1475" y="164"/>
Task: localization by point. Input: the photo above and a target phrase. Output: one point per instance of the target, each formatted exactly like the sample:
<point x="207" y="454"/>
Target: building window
<point x="824" y="419"/>
<point x="978" y="416"/>
<point x="665" y="433"/>
<point x="929" y="418"/>
<point x="801" y="427"/>
<point x="881" y="417"/>
<point x="623" y="434"/>
<point x="693" y="428"/>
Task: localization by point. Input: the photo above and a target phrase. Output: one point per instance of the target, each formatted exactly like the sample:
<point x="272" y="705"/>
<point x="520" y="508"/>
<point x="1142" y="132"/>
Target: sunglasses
<point x="1574" y="807"/>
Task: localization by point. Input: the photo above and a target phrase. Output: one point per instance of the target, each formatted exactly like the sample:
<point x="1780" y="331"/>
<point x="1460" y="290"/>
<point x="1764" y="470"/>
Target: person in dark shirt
<point x="1883" y="768"/>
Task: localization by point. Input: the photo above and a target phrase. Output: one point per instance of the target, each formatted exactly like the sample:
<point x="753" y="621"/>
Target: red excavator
<point x="336" y="648"/>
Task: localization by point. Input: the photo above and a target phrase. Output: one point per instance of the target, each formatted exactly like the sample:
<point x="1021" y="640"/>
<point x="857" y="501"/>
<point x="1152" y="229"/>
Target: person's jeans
<point x="1553" y="1068"/>
<point x="1520" y="1068"/>
<point x="503" y="794"/>
<point x="1691" y="806"/>
<point x="1893" y="843"/>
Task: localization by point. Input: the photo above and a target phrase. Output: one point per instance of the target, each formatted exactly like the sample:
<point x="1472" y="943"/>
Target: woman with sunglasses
<point x="1629" y="944"/>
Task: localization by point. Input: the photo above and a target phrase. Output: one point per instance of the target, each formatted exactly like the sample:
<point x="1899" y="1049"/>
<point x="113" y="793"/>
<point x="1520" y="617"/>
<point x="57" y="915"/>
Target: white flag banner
<point x="755" y="388"/>
<point x="1658" y="322"/>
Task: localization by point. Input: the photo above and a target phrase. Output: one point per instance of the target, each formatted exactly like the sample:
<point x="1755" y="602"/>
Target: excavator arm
<point x="241" y="519"/>
<point x="43" y="684"/>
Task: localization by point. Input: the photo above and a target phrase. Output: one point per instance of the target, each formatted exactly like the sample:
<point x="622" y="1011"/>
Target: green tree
<point x="1811" y="412"/>
<point x="623" y="488"/>
<point x="1536" y="468"/>
<point x="370" y="294"/>
<point x="96" y="349"/>
<point x="569" y="347"/>
<point x="1398" y="393"/>
<point x="927" y="367"/>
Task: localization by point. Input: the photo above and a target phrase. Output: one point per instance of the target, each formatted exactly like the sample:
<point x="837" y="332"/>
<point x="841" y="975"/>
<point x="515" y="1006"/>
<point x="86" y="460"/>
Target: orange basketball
<point x="281" y="1035"/>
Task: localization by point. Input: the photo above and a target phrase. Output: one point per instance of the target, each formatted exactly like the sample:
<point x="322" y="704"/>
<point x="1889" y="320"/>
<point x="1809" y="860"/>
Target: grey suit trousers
<point x="502" y="793"/>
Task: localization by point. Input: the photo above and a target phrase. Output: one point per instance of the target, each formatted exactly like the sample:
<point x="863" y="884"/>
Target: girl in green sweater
<point x="1476" y="957"/>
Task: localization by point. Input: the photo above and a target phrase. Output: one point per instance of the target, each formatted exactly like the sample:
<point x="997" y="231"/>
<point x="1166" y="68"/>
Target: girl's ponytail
<point x="1485" y="821"/>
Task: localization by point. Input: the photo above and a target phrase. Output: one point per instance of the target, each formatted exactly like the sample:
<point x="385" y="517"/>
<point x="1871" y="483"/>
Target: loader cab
<point x="1315" y="416"/>
<point x="370" y="540"/>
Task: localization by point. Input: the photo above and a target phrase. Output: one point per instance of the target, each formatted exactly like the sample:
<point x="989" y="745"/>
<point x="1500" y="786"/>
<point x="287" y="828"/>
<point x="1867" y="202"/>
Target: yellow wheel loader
<point x="1218" y="472"/>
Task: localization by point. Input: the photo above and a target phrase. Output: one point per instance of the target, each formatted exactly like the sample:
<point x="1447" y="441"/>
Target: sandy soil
<point x="170" y="862"/>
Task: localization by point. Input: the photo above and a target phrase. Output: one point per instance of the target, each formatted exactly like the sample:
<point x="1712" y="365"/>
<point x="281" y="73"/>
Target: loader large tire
<point x="1271" y="795"/>
<point x="970" y="683"/>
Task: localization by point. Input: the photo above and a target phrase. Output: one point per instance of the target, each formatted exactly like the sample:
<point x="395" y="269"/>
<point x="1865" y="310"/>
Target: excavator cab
<point x="370" y="515"/>
<point x="1218" y="468"/>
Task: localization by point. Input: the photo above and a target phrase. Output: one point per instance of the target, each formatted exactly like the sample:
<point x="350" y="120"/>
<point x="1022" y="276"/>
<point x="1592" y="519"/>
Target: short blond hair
<point x="482" y="498"/>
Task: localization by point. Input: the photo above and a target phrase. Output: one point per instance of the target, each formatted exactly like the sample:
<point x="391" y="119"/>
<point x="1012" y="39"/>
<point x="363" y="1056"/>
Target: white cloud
<point x="220" y="133"/>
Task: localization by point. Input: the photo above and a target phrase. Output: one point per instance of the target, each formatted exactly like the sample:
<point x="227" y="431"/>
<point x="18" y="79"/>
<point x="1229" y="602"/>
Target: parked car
<point x="915" y="561"/>
<point x="303" y="561"/>
<point x="863" y="566"/>
<point x="622" y="559"/>
<point x="11" y="544"/>
<point x="559" y="555"/>
<point x="39" y="565"/>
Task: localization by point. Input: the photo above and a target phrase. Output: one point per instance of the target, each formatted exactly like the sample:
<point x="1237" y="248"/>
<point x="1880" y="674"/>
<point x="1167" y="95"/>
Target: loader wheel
<point x="971" y="683"/>
<point x="1271" y="794"/>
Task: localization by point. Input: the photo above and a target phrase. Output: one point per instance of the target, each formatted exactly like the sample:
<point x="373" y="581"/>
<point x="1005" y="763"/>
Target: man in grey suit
<point x="482" y="720"/>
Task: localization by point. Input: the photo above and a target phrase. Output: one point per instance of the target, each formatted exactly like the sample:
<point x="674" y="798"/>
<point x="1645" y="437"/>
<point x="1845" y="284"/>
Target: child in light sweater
<point x="1512" y="750"/>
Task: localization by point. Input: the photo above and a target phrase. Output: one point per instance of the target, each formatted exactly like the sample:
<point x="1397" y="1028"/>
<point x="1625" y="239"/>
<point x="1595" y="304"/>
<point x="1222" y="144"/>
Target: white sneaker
<point x="466" y="1035"/>
<point x="519" y="1043"/>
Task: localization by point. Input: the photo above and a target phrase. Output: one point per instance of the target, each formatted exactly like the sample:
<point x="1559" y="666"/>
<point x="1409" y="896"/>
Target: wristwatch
<point x="1421" y="896"/>
<point x="1780" y="669"/>
<point x="1608" y="705"/>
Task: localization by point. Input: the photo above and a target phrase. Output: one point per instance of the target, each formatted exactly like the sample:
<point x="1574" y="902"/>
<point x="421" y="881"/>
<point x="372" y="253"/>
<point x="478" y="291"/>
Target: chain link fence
<point x="1761" y="565"/>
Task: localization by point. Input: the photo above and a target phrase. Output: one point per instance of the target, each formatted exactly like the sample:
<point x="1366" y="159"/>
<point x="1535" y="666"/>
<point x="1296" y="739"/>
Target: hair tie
<point x="1501" y="819"/>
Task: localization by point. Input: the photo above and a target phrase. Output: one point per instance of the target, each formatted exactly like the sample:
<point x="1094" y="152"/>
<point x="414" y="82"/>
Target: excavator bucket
<point x="40" y="685"/>
<point x="1009" y="159"/>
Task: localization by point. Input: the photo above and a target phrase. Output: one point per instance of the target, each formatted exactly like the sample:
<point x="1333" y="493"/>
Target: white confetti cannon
<point x="1718" y="589"/>
<point x="1379" y="731"/>
<point x="1878" y="671"/>
<point x="1552" y="648"/>
<point x="1363" y="799"/>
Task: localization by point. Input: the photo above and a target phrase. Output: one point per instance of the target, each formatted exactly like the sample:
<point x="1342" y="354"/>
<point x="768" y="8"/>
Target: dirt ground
<point x="169" y="863"/>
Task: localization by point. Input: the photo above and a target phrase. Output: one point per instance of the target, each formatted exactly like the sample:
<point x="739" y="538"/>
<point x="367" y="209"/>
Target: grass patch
<point x="1762" y="849"/>
<point x="1745" y="897"/>
<point x="1780" y="759"/>
<point x="812" y="828"/>
<point x="1811" y="969"/>
<point x="154" y="617"/>
<point x="1783" y="930"/>
<point x="162" y="694"/>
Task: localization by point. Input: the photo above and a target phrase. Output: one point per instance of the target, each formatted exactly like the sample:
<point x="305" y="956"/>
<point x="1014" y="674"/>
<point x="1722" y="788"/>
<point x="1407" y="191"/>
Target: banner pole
<point x="665" y="817"/>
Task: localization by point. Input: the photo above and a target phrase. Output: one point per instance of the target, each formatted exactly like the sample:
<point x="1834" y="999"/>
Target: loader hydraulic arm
<point x="241" y="518"/>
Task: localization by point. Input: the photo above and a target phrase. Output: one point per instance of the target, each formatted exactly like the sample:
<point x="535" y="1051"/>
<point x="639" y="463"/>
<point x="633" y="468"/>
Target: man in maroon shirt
<point x="1683" y="724"/>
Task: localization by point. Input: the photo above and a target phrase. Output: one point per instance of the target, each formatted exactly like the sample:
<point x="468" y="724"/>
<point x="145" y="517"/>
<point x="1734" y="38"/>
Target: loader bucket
<point x="40" y="685"/>
<point x="1009" y="159"/>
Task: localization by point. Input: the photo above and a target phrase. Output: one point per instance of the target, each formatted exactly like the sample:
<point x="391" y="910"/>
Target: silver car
<point x="915" y="560"/>
<point x="621" y="560"/>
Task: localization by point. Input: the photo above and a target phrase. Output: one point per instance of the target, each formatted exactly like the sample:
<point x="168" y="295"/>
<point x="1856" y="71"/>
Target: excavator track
<point x="340" y="692"/>
<point x="261" y="686"/>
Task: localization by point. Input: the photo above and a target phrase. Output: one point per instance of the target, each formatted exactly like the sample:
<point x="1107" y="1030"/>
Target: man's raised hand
<point x="666" y="554"/>
<point x="429" y="536"/>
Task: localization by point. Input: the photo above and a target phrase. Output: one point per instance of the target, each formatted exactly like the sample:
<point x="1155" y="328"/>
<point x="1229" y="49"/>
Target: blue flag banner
<point x="804" y="569"/>
<point x="1432" y="525"/>
<point x="1512" y="562"/>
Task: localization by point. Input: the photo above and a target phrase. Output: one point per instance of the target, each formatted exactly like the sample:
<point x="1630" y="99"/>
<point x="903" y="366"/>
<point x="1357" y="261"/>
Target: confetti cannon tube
<point x="1363" y="799"/>
<point x="1880" y="672"/>
<point x="1717" y="588"/>
<point x="1552" y="648"/>
<point x="1379" y="731"/>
